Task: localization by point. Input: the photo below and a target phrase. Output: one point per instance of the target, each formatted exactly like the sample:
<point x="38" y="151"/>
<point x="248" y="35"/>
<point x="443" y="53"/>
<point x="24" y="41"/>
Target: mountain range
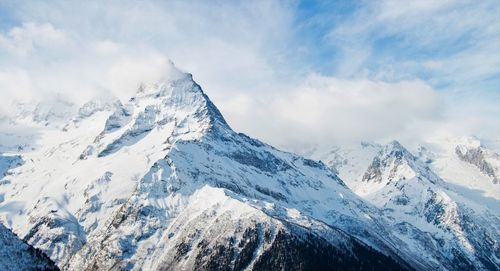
<point x="162" y="182"/>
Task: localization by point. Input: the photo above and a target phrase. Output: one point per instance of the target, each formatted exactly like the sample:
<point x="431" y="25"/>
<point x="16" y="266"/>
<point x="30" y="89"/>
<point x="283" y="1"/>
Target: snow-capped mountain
<point x="163" y="183"/>
<point x="349" y="162"/>
<point x="51" y="112"/>
<point x="16" y="255"/>
<point x="420" y="202"/>
<point x="467" y="162"/>
<point x="448" y="219"/>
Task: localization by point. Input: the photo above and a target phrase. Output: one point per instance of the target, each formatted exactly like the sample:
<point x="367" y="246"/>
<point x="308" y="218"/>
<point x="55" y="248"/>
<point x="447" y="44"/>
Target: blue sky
<point x="400" y="43"/>
<point x="426" y="65"/>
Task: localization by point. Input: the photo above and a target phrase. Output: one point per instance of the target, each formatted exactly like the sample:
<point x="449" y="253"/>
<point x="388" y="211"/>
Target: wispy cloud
<point x="322" y="111"/>
<point x="326" y="72"/>
<point x="453" y="44"/>
<point x="23" y="39"/>
<point x="227" y="46"/>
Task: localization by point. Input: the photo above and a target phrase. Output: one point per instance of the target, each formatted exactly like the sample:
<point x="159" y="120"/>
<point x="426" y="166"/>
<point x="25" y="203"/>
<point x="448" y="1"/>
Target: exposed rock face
<point x="373" y="172"/>
<point x="486" y="161"/>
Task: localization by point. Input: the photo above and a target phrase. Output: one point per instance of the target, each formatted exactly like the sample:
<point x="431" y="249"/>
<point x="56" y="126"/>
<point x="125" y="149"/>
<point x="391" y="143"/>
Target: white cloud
<point x="23" y="39"/>
<point x="405" y="36"/>
<point x="242" y="54"/>
<point x="124" y="77"/>
<point x="14" y="85"/>
<point x="326" y="110"/>
<point x="228" y="46"/>
<point x="391" y="9"/>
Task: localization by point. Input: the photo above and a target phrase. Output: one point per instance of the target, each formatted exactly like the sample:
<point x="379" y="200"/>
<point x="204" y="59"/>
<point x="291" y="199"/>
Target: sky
<point x="292" y="73"/>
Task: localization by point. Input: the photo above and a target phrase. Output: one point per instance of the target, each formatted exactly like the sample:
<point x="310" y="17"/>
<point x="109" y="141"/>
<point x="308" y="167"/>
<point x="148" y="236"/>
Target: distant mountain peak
<point x="394" y="163"/>
<point x="54" y="111"/>
<point x="437" y="215"/>
<point x="488" y="162"/>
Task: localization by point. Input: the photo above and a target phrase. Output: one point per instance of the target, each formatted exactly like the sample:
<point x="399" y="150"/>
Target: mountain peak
<point x="394" y="163"/>
<point x="487" y="161"/>
<point x="53" y="111"/>
<point x="466" y="143"/>
<point x="176" y="108"/>
<point x="183" y="91"/>
<point x="395" y="144"/>
<point x="178" y="90"/>
<point x="417" y="200"/>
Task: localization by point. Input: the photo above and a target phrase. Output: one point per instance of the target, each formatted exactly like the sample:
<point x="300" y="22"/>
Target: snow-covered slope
<point x="464" y="233"/>
<point x="448" y="221"/>
<point x="53" y="112"/>
<point x="465" y="162"/>
<point x="16" y="255"/>
<point x="162" y="182"/>
<point x="350" y="162"/>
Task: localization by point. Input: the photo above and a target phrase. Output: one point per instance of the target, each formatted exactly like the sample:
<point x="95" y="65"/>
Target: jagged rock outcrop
<point x="488" y="162"/>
